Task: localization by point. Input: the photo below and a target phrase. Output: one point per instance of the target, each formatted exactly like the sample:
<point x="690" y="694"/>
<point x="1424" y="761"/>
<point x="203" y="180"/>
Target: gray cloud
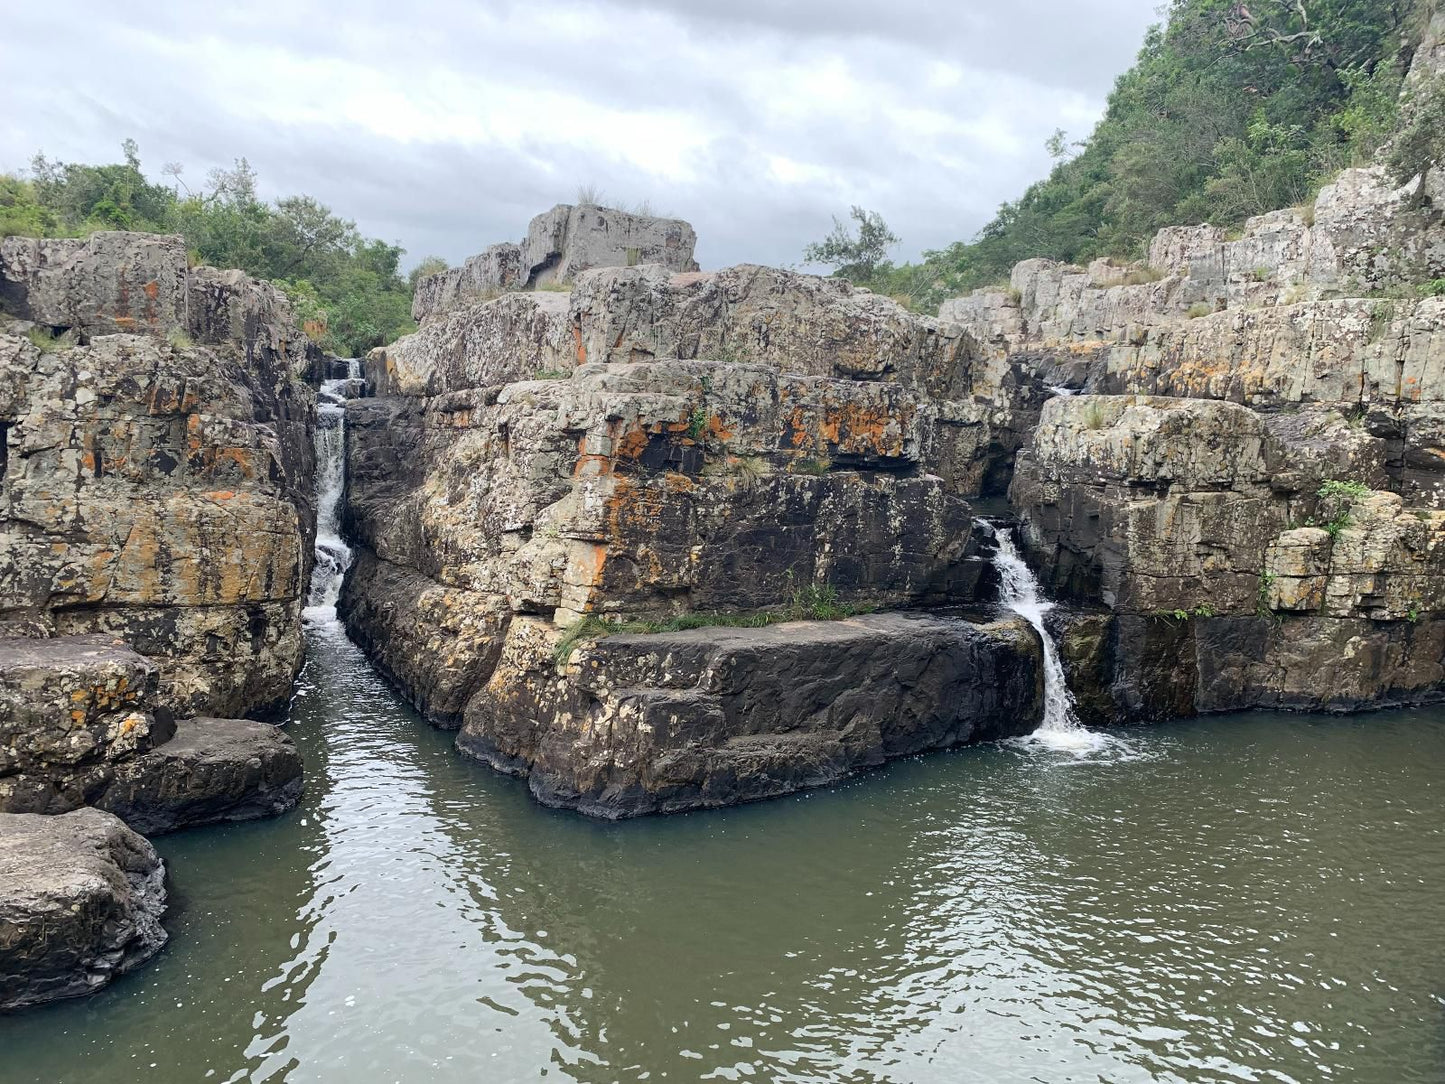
<point x="446" y="125"/>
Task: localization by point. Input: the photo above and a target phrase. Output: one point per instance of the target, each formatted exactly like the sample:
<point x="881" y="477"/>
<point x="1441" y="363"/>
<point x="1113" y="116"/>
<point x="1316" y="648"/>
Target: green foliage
<point x="1200" y="308"/>
<point x="1349" y="490"/>
<point x="815" y="467"/>
<point x="1262" y="606"/>
<point x="1339" y="497"/>
<point x="1230" y="110"/>
<point x="347" y="290"/>
<point x="431" y="265"/>
<point x="861" y="259"/>
<point x="1204" y="609"/>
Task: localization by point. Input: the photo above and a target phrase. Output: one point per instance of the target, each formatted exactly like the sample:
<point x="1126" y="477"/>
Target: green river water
<point x="1243" y="898"/>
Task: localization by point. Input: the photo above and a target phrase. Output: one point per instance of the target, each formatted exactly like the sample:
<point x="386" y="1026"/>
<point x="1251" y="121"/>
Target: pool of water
<point x="1244" y="898"/>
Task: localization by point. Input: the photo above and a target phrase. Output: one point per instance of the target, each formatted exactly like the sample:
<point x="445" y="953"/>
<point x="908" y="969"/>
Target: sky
<point x="444" y="126"/>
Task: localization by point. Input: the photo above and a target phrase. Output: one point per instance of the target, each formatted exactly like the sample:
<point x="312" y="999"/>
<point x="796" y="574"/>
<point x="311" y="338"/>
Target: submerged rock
<point x="635" y="724"/>
<point x="81" y="899"/>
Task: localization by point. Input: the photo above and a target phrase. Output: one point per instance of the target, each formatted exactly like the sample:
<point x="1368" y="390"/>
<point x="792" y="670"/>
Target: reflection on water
<point x="1248" y="898"/>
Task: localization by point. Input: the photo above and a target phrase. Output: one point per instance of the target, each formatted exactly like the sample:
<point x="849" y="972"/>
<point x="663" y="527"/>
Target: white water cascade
<point x="1019" y="591"/>
<point x="333" y="556"/>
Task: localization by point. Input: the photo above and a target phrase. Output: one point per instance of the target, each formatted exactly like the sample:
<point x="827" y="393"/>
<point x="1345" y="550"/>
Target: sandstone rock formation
<point x="559" y="245"/>
<point x="654" y="445"/>
<point x="81" y="897"/>
<point x="79" y="726"/>
<point x="1228" y="385"/>
<point x="157" y="466"/>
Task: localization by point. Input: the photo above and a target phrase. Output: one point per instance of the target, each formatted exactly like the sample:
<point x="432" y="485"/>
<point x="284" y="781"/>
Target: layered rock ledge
<point x="79" y="726"/>
<point x="635" y="724"/>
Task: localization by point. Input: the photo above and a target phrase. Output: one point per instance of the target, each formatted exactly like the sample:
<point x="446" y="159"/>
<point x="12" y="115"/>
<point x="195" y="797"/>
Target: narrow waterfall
<point x="1020" y="592"/>
<point x="333" y="556"/>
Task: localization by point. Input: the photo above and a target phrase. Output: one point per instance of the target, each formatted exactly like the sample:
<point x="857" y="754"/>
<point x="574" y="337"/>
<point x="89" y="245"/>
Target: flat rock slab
<point x="662" y="723"/>
<point x="213" y="770"/>
<point x="81" y="899"/>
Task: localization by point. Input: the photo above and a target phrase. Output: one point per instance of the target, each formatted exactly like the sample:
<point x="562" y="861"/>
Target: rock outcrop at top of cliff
<point x="157" y="469"/>
<point x="560" y="244"/>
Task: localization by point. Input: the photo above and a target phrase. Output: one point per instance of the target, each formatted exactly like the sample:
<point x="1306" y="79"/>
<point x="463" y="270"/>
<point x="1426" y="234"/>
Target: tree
<point x="858" y="259"/>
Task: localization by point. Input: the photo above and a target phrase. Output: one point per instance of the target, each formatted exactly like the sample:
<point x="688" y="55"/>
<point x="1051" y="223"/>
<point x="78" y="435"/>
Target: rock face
<point x="79" y="726"/>
<point x="81" y="897"/>
<point x="158" y="468"/>
<point x="560" y="244"/>
<point x="663" y="723"/>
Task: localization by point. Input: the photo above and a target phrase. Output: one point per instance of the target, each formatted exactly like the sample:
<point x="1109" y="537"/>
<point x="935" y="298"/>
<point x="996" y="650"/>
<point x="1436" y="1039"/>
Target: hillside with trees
<point x="347" y="289"/>
<point x="1232" y="109"/>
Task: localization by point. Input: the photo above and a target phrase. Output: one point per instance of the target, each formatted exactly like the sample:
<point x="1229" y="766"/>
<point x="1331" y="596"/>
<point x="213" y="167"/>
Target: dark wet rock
<point x="638" y="724"/>
<point x="81" y="899"/>
<point x="79" y="726"/>
<point x="213" y="770"/>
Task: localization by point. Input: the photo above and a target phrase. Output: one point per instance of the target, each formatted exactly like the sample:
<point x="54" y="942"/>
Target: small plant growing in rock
<point x="1340" y="497"/>
<point x="815" y="467"/>
<point x="43" y="341"/>
<point x="750" y="468"/>
<point x="1143" y="276"/>
<point x="551" y="374"/>
<point x="1262" y="607"/>
<point x="179" y="340"/>
<point x="1433" y="288"/>
<point x="1413" y="613"/>
<point x="1198" y="309"/>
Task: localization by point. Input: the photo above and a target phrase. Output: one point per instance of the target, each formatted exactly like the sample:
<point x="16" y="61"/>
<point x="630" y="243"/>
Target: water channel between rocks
<point x="1250" y="897"/>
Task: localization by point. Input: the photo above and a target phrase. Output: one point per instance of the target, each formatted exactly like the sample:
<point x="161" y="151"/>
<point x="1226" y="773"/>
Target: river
<point x="1244" y="898"/>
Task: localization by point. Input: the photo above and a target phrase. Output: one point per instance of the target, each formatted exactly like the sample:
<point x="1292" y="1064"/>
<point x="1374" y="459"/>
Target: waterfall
<point x="1020" y="592"/>
<point x="333" y="556"/>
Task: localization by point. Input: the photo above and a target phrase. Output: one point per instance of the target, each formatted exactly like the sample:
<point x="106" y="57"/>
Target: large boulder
<point x="560" y="244"/>
<point x="212" y="771"/>
<point x="635" y="724"/>
<point x="81" y="899"/>
<point x="102" y="284"/>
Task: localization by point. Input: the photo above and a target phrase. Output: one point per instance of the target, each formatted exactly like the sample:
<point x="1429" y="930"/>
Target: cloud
<point x="446" y="125"/>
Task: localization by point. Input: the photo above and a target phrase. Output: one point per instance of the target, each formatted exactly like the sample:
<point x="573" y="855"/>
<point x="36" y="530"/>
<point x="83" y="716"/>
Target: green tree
<point x="858" y="259"/>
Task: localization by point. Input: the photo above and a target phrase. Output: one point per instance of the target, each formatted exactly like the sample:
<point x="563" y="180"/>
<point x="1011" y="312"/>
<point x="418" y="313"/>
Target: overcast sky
<point x="444" y="126"/>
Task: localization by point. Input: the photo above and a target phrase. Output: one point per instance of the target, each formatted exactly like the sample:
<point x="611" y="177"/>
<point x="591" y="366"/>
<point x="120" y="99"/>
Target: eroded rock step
<point x="661" y="723"/>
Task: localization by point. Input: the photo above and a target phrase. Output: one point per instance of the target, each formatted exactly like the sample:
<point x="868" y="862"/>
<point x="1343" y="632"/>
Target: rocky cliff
<point x="1244" y="461"/>
<point x="157" y="463"/>
<point x="1230" y="457"/>
<point x="658" y="445"/>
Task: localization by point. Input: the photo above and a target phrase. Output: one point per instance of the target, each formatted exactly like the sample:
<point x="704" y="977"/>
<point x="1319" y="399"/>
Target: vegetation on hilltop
<point x="347" y="289"/>
<point x="1232" y="109"/>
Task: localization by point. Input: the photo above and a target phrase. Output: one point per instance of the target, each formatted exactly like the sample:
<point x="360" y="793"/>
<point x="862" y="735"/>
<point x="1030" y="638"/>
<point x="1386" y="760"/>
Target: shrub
<point x="1200" y="308"/>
